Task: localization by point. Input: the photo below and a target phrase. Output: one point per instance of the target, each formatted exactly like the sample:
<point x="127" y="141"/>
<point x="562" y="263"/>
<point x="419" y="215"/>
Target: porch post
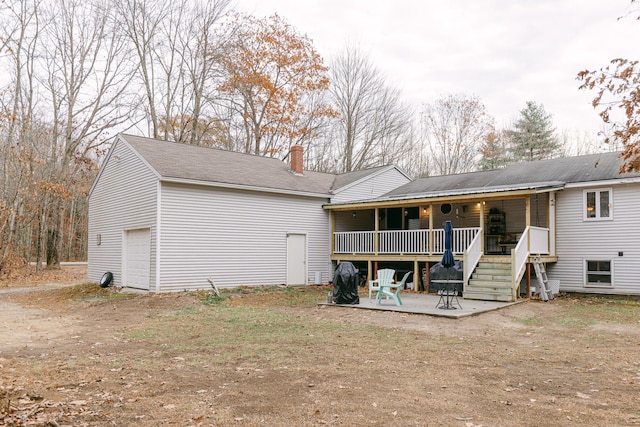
<point x="416" y="275"/>
<point x="482" y="230"/>
<point x="527" y="215"/>
<point x="332" y="217"/>
<point x="430" y="229"/>
<point x="376" y="234"/>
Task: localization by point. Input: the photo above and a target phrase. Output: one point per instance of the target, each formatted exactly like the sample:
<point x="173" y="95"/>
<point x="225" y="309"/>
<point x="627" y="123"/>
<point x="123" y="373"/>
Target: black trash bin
<point x="439" y="272"/>
<point x="345" y="284"/>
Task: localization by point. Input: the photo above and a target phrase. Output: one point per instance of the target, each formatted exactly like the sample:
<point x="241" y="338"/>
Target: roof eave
<point x="616" y="181"/>
<point x="443" y="197"/>
<point x="186" y="181"/>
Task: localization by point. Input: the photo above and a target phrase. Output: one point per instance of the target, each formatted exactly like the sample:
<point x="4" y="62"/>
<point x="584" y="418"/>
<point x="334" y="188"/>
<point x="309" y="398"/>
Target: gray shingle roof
<point x="536" y="174"/>
<point x="188" y="162"/>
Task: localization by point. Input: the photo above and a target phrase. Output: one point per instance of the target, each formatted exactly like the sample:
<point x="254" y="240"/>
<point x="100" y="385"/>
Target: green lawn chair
<point x="386" y="290"/>
<point x="385" y="276"/>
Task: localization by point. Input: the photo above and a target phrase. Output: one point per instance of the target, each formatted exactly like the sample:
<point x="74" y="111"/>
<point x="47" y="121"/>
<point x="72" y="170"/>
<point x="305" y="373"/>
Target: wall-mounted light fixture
<point x="353" y="214"/>
<point x="98" y="239"/>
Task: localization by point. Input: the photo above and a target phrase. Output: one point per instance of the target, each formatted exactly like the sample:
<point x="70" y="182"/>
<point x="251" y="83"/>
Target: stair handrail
<point x="471" y="257"/>
<point x="519" y="257"/>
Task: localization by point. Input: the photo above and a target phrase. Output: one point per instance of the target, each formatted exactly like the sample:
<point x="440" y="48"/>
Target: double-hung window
<point x="598" y="204"/>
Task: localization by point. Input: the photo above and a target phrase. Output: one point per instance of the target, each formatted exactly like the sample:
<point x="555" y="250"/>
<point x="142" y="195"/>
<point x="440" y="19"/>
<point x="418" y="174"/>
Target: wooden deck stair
<point x="491" y="281"/>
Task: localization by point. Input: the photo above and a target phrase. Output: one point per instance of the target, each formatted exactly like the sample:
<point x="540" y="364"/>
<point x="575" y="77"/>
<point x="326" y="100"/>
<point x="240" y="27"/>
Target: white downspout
<point x="552" y="223"/>
<point x="158" y="232"/>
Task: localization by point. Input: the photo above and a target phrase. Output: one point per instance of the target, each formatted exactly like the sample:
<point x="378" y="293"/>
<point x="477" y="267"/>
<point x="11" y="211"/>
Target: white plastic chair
<point x="385" y="277"/>
<point x="386" y="290"/>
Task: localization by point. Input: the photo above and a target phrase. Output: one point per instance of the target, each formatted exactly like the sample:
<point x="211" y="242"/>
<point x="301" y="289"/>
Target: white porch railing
<point x="462" y="238"/>
<point x="402" y="241"/>
<point x="538" y="240"/>
<point x="354" y="242"/>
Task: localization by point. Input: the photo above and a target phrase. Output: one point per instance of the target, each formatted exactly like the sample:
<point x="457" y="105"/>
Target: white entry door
<point x="296" y="259"/>
<point x="137" y="258"/>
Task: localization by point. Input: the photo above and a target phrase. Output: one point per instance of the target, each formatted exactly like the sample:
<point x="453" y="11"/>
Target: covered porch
<point x="501" y="231"/>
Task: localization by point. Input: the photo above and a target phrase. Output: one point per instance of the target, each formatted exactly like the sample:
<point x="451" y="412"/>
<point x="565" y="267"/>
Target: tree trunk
<point x="52" y="248"/>
<point x="39" y="244"/>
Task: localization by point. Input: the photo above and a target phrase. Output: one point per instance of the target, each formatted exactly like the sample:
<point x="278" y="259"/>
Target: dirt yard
<point x="85" y="356"/>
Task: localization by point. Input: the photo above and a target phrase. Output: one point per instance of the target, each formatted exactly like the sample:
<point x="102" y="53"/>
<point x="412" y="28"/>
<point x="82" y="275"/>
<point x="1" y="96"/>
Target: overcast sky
<point x="506" y="52"/>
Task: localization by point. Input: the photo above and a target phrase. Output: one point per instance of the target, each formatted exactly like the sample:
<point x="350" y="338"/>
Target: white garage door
<point x="137" y="258"/>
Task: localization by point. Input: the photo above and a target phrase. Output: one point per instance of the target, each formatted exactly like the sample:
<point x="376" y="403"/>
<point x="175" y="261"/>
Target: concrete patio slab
<point x="428" y="304"/>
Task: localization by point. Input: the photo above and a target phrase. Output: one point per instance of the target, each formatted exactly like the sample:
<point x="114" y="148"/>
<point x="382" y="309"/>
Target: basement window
<point x="598" y="273"/>
<point x="598" y="204"/>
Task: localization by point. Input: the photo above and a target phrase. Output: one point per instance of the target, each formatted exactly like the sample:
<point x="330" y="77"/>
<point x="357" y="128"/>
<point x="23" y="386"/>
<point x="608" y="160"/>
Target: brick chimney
<point x="297" y="159"/>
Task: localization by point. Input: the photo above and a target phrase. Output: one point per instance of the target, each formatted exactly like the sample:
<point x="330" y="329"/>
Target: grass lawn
<point x="271" y="356"/>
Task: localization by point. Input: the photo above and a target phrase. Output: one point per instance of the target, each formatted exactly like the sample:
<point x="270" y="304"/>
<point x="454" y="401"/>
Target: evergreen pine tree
<point x="533" y="135"/>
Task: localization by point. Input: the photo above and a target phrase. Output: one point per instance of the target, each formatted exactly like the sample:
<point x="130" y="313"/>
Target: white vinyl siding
<point x="615" y="240"/>
<point x="236" y="237"/>
<point x="123" y="198"/>
<point x="371" y="187"/>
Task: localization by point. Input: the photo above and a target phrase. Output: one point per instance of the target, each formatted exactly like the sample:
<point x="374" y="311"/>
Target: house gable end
<point x="372" y="185"/>
<point x="110" y="157"/>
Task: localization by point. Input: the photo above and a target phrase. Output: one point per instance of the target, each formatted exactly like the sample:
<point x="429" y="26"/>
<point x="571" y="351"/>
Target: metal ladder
<point x="543" y="281"/>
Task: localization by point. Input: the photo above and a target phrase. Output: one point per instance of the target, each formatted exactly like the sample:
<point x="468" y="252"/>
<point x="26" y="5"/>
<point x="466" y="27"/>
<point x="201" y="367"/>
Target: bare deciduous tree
<point x="141" y="22"/>
<point x="373" y="126"/>
<point x="87" y="73"/>
<point x="191" y="117"/>
<point x="19" y="173"/>
<point x="453" y="128"/>
<point x="69" y="65"/>
<point x="177" y="49"/>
